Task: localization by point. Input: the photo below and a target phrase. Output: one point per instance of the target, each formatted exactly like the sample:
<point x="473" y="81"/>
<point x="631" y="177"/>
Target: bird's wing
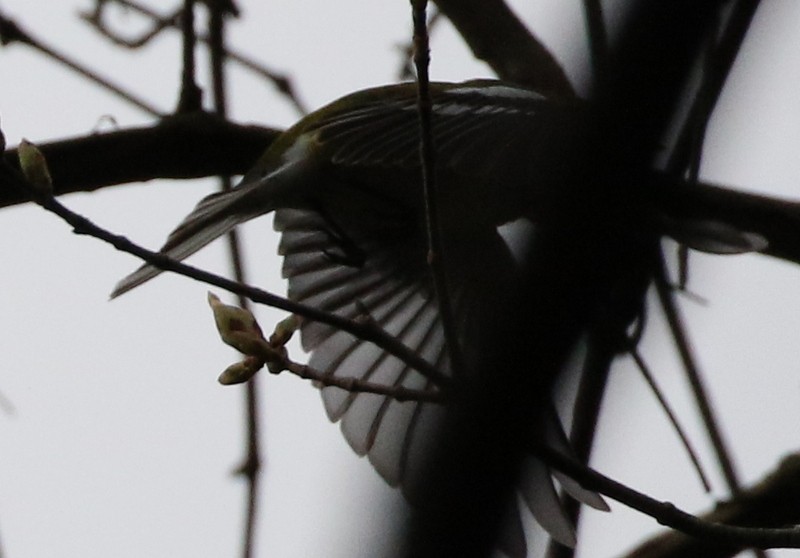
<point x="395" y="434"/>
<point x="480" y="128"/>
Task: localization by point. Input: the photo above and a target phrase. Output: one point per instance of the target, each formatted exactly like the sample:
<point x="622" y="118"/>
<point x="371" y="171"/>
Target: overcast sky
<point x="121" y="443"/>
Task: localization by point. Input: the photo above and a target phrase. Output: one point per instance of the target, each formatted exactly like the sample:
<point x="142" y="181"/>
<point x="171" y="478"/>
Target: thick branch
<point x="778" y="221"/>
<point x="500" y="39"/>
<point x="186" y="146"/>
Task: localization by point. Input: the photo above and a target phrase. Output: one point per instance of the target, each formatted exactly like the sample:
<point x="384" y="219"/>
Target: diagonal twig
<point x="365" y="331"/>
<point x="11" y="32"/>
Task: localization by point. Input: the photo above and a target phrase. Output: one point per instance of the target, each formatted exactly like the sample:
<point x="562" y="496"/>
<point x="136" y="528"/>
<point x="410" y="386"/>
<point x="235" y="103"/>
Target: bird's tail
<point x="214" y="216"/>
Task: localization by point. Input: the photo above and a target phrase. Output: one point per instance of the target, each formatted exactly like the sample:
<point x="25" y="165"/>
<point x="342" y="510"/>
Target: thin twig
<point x="280" y="81"/>
<point x="11" y="32"/>
<point x="406" y="71"/>
<point x="95" y="19"/>
<point x="357" y="385"/>
<point x="436" y="253"/>
<point x="191" y="96"/>
<point x="363" y="331"/>
<point x="702" y="400"/>
<point x="671" y="416"/>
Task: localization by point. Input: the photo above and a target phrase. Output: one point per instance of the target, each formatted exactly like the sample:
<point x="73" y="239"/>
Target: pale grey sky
<point x="122" y="443"/>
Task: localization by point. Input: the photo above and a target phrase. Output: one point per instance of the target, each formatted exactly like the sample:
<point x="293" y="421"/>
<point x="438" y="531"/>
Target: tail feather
<point x="214" y="216"/>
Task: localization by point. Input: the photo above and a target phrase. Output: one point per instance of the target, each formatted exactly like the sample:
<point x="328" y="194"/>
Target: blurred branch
<point x="191" y="96"/>
<point x="181" y="147"/>
<point x="773" y="501"/>
<point x="96" y="19"/>
<point x="597" y="37"/>
<point x="519" y="57"/>
<point x="717" y="70"/>
<point x="11" y="32"/>
<point x="600" y="354"/>
<point x="251" y="465"/>
<point x="777" y="220"/>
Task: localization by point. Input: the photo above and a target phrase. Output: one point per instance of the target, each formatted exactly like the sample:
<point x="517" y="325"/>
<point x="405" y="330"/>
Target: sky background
<point x="121" y="443"/>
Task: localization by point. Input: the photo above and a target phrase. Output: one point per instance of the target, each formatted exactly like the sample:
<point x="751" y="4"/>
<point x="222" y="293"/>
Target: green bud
<point x="238" y="328"/>
<point x="284" y="331"/>
<point x="34" y="168"/>
<point x="240" y="372"/>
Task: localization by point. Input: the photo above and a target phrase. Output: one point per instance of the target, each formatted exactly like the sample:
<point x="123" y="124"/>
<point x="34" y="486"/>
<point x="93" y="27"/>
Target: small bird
<point x="345" y="185"/>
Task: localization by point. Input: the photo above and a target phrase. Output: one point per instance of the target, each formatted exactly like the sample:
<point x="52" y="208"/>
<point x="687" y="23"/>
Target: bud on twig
<point x="34" y="168"/>
<point x="238" y="328"/>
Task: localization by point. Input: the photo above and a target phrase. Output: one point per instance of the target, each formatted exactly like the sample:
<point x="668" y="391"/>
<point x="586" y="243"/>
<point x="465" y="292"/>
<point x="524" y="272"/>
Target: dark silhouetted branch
<point x="771" y="502"/>
<point x="500" y="39"/>
<point x="182" y="147"/>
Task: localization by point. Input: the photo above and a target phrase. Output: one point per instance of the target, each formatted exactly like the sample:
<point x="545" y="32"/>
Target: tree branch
<point x="184" y="146"/>
<point x="712" y="533"/>
<point x="773" y="501"/>
<point x="500" y="39"/>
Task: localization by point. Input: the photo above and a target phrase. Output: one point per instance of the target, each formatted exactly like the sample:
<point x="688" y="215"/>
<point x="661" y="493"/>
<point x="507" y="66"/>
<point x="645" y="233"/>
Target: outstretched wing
<point x="395" y="434"/>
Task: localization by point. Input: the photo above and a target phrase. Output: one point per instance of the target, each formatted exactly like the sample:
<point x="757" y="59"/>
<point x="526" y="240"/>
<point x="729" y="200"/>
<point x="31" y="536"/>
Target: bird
<point x="344" y="184"/>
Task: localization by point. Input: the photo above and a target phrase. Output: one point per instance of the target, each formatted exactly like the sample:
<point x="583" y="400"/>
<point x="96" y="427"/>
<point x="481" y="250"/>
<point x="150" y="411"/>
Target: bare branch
<point x="710" y="532"/>
<point x="773" y="501"/>
<point x="363" y="330"/>
<point x="436" y="255"/>
<point x="357" y="385"/>
<point x="251" y="467"/>
<point x="280" y="81"/>
<point x="96" y="19"/>
<point x="191" y="96"/>
<point x="184" y="146"/>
